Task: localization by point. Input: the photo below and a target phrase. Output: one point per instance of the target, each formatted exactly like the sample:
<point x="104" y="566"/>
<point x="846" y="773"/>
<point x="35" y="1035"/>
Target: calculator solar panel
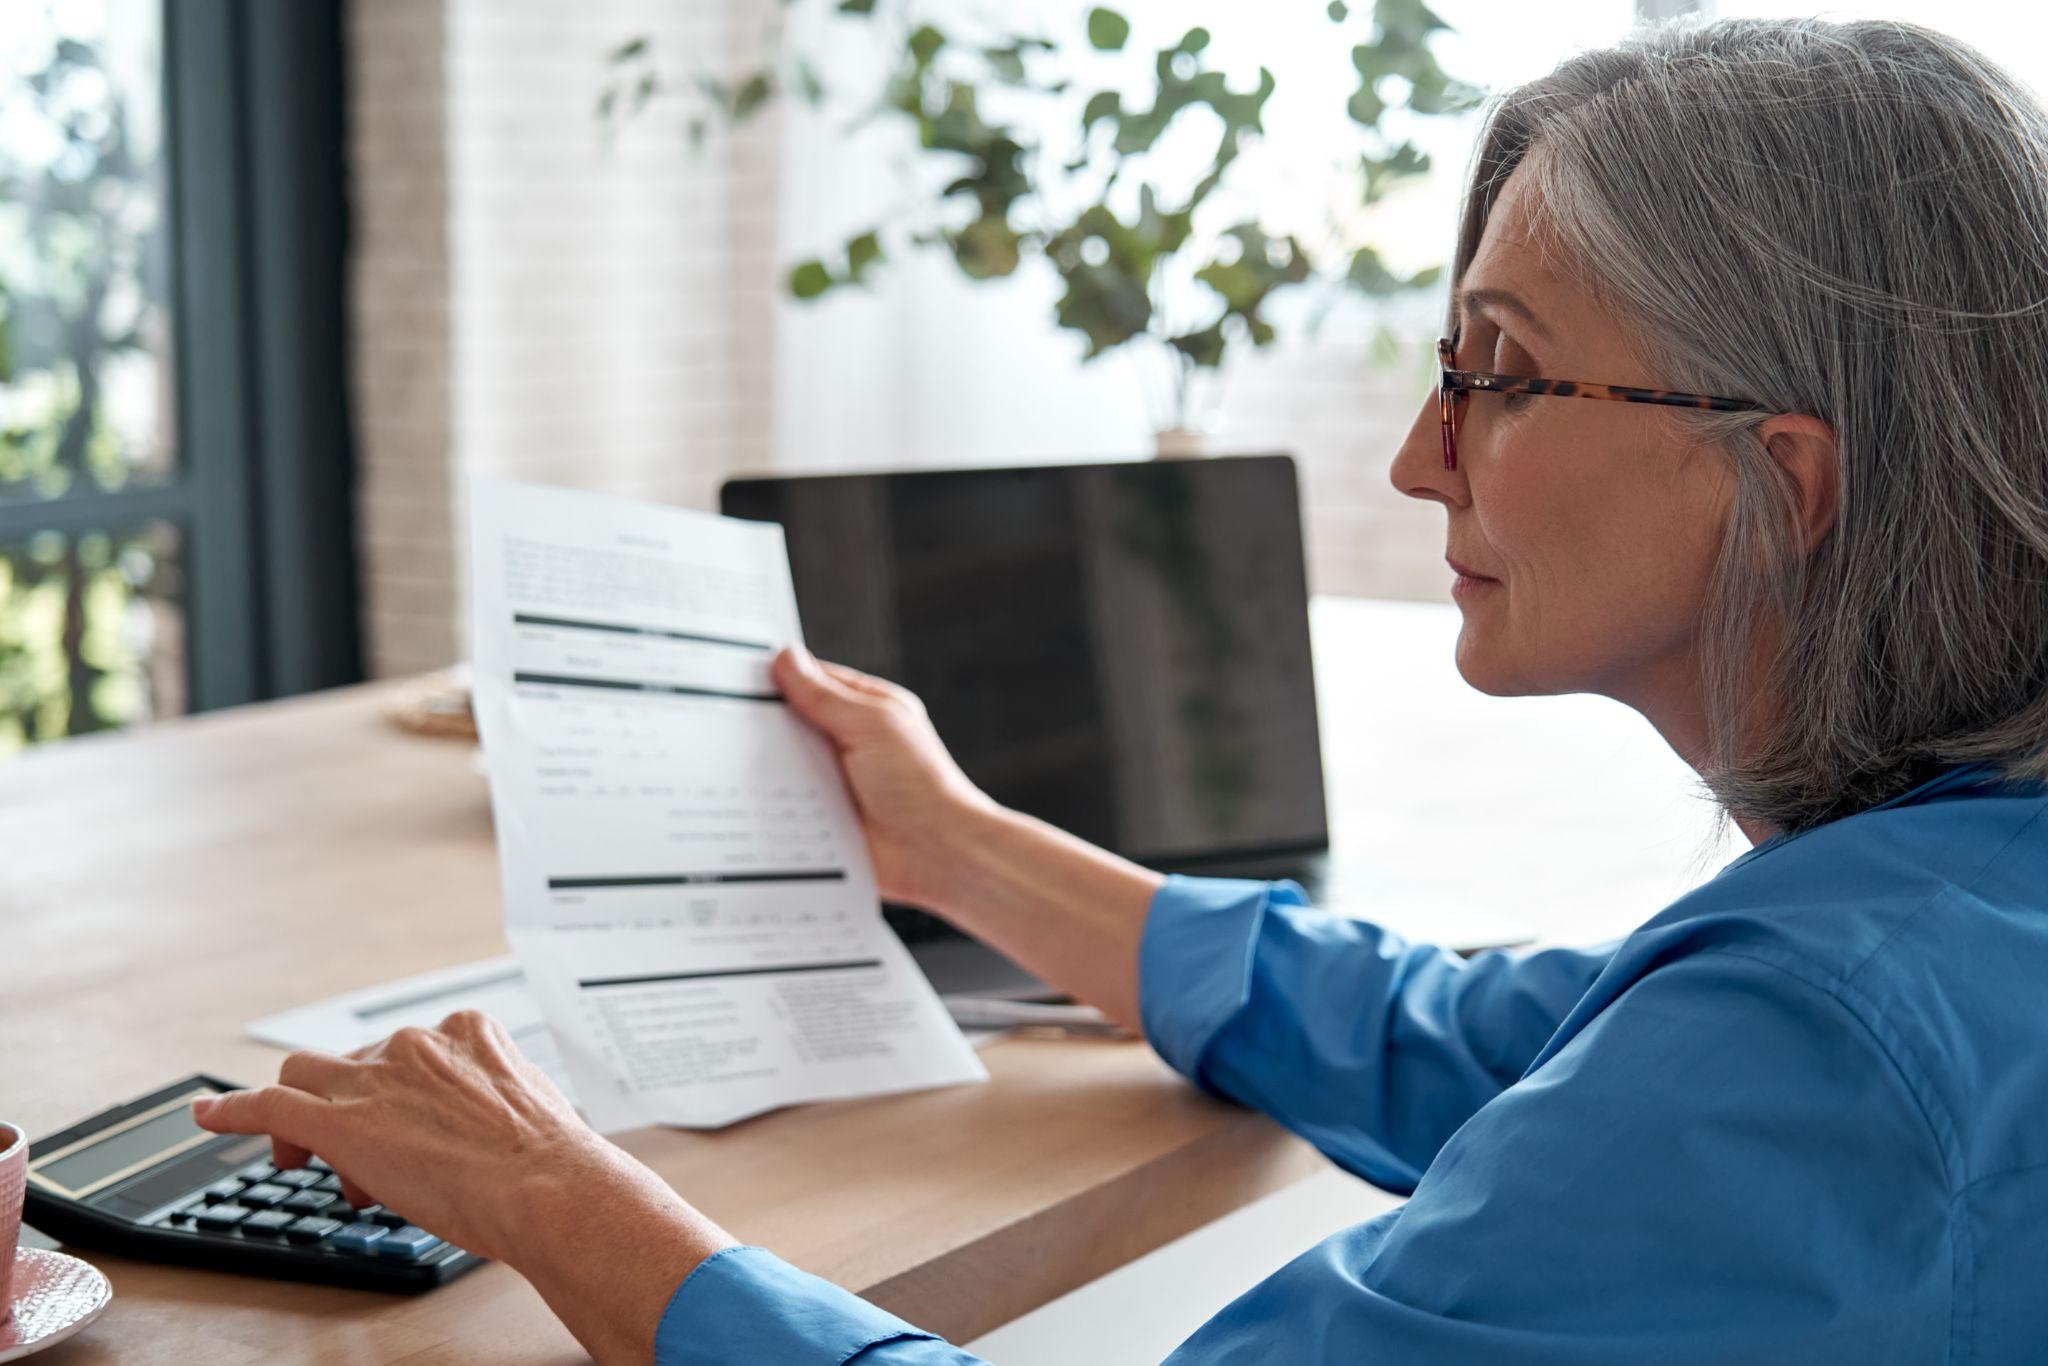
<point x="144" y="1180"/>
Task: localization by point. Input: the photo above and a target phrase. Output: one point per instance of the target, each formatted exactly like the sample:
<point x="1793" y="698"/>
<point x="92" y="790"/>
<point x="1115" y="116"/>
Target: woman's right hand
<point x="918" y="809"/>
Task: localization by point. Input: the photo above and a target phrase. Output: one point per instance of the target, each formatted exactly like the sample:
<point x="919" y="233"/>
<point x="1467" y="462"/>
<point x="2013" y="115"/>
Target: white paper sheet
<point x="496" y="986"/>
<point x="684" y="877"/>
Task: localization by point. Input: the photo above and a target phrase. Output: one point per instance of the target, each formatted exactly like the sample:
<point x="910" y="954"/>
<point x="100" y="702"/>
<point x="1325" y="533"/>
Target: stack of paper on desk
<point x="685" y="880"/>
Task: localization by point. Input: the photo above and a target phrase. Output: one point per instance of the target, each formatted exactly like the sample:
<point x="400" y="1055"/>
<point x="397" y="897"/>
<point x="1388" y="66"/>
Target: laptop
<point x="1121" y="649"/>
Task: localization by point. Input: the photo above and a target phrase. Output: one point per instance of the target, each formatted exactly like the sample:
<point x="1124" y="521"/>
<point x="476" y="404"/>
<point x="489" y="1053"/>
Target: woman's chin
<point x="1481" y="663"/>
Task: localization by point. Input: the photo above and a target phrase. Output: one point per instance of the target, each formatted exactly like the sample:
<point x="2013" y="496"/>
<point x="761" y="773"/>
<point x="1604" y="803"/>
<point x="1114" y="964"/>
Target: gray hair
<point x="1848" y="220"/>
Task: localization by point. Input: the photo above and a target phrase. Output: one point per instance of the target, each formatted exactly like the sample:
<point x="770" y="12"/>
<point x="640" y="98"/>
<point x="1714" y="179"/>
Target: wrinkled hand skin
<point x="455" y="1129"/>
<point x="917" y="809"/>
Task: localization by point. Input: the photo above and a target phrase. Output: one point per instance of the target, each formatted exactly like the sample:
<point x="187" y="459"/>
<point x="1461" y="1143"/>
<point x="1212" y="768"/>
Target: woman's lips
<point x="1468" y="583"/>
<point x="1467" y="572"/>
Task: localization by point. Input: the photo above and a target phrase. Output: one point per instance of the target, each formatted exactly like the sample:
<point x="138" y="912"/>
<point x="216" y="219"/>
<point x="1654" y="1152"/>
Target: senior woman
<point x="1744" y="424"/>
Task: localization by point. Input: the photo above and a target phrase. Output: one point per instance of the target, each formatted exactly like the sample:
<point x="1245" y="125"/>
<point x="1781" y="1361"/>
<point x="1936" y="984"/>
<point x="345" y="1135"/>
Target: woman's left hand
<point x="453" y="1128"/>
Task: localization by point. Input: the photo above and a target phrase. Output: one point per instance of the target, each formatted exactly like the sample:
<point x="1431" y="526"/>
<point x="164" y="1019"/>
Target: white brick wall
<point x="531" y="303"/>
<point x="400" y="301"/>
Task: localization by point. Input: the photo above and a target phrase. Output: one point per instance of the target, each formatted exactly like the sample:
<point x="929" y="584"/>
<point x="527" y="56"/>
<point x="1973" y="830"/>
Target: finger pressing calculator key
<point x="144" y="1180"/>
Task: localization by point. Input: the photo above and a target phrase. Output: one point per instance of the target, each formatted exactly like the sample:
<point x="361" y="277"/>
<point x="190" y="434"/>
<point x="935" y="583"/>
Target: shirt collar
<point x="1976" y="775"/>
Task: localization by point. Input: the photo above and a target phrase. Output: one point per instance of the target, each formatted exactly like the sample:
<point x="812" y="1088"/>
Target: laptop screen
<point x="1119" y="649"/>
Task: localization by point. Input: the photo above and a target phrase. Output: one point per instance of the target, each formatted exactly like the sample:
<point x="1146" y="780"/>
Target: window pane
<point x="85" y="384"/>
<point x="91" y="632"/>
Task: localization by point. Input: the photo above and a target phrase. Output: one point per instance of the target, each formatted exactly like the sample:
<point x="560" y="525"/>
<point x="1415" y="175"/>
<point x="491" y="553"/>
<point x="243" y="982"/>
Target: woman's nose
<point x="1418" y="468"/>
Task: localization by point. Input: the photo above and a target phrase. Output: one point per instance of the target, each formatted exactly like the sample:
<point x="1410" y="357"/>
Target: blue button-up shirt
<point x="1800" y="1115"/>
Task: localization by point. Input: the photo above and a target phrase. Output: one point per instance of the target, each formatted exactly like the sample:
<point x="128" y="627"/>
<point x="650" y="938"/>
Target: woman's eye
<point x="1514" y="403"/>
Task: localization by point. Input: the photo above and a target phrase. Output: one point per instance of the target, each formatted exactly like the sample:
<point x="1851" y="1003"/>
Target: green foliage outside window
<point x="82" y="410"/>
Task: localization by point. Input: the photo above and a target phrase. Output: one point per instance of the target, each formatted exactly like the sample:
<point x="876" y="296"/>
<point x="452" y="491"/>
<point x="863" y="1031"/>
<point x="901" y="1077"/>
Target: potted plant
<point x="1184" y="268"/>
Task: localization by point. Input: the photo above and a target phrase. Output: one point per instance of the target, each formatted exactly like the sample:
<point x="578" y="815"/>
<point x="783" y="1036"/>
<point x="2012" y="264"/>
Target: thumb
<point x="815" y="695"/>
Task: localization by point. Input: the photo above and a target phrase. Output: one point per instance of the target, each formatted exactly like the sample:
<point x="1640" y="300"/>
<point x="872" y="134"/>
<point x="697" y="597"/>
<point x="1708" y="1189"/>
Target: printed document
<point x="684" y="878"/>
<point x="496" y="986"/>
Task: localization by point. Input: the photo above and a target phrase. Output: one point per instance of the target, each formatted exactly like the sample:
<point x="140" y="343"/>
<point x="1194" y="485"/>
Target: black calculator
<point x="144" y="1180"/>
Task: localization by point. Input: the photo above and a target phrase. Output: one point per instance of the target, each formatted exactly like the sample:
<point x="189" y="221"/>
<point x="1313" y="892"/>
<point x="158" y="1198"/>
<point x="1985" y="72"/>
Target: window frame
<point x="261" y="493"/>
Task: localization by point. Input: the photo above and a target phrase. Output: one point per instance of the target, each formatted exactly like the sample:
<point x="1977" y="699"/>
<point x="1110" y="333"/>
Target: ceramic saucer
<point x="55" y="1295"/>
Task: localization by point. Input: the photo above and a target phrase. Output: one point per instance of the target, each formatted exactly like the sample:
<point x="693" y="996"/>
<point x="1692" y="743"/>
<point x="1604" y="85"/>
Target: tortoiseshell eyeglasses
<point x="1453" y="384"/>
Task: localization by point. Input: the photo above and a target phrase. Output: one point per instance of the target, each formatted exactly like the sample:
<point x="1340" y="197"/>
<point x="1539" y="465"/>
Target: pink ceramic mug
<point x="13" y="1183"/>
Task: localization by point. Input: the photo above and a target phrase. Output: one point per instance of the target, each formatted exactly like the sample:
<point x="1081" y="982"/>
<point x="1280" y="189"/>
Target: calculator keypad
<point x="303" y="1206"/>
<point x="263" y="1195"/>
<point x="360" y="1237"/>
<point x="311" y="1202"/>
<point x="269" y="1222"/>
<point x="311" y="1230"/>
<point x="408" y="1244"/>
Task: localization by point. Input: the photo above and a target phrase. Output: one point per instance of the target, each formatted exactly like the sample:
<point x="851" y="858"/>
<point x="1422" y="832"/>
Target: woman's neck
<point x="1677" y="710"/>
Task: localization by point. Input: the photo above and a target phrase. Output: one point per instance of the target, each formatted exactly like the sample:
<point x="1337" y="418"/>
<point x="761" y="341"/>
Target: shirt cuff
<point x="1195" y="960"/>
<point x="747" y="1304"/>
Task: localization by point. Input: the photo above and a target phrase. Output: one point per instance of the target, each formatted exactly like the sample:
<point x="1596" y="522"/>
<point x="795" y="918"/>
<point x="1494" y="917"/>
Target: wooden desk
<point x="163" y="888"/>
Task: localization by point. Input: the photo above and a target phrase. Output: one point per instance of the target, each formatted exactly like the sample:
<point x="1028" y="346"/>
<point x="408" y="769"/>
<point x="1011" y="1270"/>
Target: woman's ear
<point x="1805" y="448"/>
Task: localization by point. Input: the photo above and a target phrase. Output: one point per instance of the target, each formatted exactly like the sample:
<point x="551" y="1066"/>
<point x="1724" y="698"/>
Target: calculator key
<point x="298" y="1180"/>
<point x="311" y="1229"/>
<point x="263" y="1195"/>
<point x="180" y="1216"/>
<point x="385" y="1217"/>
<point x="318" y="1164"/>
<point x="257" y="1171"/>
<point x="220" y="1217"/>
<point x="310" y="1202"/>
<point x="408" y="1244"/>
<point x="329" y="1182"/>
<point x="269" y="1222"/>
<point x="221" y="1190"/>
<point x="360" y="1237"/>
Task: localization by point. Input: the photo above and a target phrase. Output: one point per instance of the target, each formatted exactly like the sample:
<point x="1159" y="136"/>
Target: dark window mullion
<point x="117" y="510"/>
<point x="205" y="99"/>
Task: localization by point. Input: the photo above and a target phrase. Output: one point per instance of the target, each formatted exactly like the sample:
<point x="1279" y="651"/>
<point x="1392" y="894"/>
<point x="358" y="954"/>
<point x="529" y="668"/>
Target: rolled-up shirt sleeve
<point x="746" y="1304"/>
<point x="1371" y="1047"/>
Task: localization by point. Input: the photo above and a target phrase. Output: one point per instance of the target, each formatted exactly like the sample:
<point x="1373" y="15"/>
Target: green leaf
<point x="925" y="43"/>
<point x="1365" y="106"/>
<point x="1338" y="11"/>
<point x="986" y="248"/>
<point x="809" y="279"/>
<point x="1107" y="30"/>
<point x="628" y="50"/>
<point x="1408" y="18"/>
<point x="1263" y="264"/>
<point x="1007" y="63"/>
<point x="1369" y="275"/>
<point x="807" y="83"/>
<point x="1194" y="40"/>
<point x="1105" y="305"/>
<point x="1382" y="173"/>
<point x="862" y="252"/>
<point x="1103" y="104"/>
<point x="752" y="94"/>
<point x="856" y="6"/>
